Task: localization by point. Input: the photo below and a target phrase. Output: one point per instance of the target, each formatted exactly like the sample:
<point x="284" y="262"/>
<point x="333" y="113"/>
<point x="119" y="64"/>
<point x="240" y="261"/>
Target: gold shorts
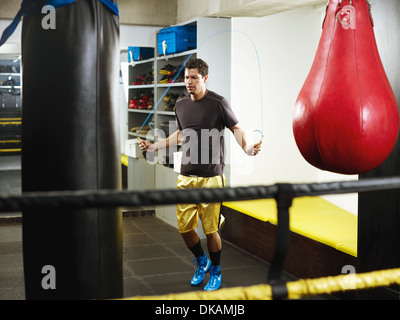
<point x="189" y="214"/>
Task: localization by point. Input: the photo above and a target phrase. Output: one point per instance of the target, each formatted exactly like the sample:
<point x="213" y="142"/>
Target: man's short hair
<point x="198" y="64"/>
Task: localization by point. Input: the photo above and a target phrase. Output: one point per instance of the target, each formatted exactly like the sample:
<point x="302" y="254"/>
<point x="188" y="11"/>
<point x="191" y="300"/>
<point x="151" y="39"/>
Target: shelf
<point x="10" y="87"/>
<point x="141" y="135"/>
<point x="134" y="63"/>
<point x="140" y="110"/>
<point x="166" y="113"/>
<point x="142" y="86"/>
<point x="167" y="85"/>
<point x="10" y="108"/>
<point x="176" y="55"/>
<point x="136" y="117"/>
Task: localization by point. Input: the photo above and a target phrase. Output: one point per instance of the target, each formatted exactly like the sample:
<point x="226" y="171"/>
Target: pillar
<point x="379" y="212"/>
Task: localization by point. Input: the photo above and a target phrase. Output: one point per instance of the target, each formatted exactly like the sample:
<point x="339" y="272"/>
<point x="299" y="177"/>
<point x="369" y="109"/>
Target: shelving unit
<point x="213" y="39"/>
<point x="10" y="107"/>
<point x="157" y="91"/>
<point x="140" y="85"/>
<point x="213" y="46"/>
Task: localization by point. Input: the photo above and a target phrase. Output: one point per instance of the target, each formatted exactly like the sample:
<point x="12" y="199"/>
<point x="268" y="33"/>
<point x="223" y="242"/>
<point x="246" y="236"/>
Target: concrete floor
<point x="155" y="259"/>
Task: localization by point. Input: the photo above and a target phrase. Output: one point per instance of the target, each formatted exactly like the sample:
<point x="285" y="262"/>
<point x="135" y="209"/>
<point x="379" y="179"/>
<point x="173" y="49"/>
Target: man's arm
<point x="171" y="141"/>
<point x="240" y="137"/>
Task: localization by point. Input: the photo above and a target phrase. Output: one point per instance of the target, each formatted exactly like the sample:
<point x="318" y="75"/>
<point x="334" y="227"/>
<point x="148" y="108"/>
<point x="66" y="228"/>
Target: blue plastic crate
<point x="177" y="39"/>
<point x="140" y="53"/>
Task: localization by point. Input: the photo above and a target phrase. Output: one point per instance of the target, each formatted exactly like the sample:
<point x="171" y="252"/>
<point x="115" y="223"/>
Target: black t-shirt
<point x="202" y="123"/>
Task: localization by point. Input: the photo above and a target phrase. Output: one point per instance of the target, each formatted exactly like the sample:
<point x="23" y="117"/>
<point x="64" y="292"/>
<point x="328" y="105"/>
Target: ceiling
<point x="170" y="12"/>
<point x="260" y="8"/>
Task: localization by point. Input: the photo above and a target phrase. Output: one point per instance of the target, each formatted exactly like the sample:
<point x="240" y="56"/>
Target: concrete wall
<point x="133" y="12"/>
<point x="148" y="12"/>
<point x="286" y="44"/>
<point x="9" y="8"/>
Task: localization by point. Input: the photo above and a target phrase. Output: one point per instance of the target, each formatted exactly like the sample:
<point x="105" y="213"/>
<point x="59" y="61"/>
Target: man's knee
<point x="191" y="238"/>
<point x="212" y="235"/>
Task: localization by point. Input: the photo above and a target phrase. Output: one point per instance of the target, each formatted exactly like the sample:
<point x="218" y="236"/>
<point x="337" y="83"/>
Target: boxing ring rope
<point x="283" y="193"/>
<point x="295" y="290"/>
<point x="118" y="198"/>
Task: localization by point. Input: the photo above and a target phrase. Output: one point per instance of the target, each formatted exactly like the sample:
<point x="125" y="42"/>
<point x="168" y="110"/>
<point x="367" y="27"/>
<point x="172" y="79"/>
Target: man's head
<point x="198" y="64"/>
<point x="196" y="75"/>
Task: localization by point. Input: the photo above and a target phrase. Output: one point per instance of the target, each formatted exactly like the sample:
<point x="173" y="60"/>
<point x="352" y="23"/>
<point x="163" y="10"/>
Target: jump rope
<point x="257" y="133"/>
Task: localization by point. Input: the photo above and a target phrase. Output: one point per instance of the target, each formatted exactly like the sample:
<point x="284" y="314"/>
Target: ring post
<point x="284" y="199"/>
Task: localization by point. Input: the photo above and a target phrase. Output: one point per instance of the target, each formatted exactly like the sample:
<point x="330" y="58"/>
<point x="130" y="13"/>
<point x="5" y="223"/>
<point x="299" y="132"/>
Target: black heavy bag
<point x="70" y="142"/>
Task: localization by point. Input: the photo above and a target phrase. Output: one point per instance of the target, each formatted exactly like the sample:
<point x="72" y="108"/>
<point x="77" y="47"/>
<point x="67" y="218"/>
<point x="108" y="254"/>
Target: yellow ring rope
<point x="296" y="289"/>
<point x="10" y="122"/>
<point x="342" y="283"/>
<point x="257" y="292"/>
<point x="10" y="150"/>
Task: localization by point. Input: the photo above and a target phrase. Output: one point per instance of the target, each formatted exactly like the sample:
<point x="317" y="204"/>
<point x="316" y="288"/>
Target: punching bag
<point x="346" y="116"/>
<point x="70" y="141"/>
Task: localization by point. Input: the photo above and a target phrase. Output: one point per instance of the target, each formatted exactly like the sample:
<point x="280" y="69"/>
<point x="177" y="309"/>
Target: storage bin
<point x="132" y="149"/>
<point x="176" y="39"/>
<point x="140" y="53"/>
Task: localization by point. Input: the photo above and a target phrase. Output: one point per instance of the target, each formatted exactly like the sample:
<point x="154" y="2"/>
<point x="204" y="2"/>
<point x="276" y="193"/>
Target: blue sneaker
<point x="215" y="279"/>
<point x="203" y="266"/>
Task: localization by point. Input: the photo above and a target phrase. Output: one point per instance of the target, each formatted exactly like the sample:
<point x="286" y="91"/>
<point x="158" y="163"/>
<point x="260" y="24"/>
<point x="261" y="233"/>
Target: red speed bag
<point x="346" y="118"/>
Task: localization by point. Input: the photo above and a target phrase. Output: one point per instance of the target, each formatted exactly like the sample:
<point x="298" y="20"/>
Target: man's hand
<point x="147" y="145"/>
<point x="254" y="149"/>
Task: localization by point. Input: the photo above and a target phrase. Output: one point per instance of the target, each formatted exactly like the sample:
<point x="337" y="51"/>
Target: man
<point x="201" y="117"/>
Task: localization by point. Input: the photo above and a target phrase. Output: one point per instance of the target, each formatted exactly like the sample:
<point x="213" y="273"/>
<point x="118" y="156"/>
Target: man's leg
<point x="214" y="243"/>
<point x="210" y="217"/>
<point x="187" y="215"/>
<point x="193" y="242"/>
<point x="214" y="246"/>
<point x="191" y="238"/>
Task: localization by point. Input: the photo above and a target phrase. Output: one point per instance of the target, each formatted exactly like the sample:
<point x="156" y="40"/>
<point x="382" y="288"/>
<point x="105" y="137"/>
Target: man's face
<point x="195" y="82"/>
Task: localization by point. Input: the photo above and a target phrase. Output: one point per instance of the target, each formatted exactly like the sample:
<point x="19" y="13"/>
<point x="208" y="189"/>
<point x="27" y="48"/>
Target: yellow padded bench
<point x="312" y="217"/>
<point x="323" y="237"/>
<point x="124" y="160"/>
